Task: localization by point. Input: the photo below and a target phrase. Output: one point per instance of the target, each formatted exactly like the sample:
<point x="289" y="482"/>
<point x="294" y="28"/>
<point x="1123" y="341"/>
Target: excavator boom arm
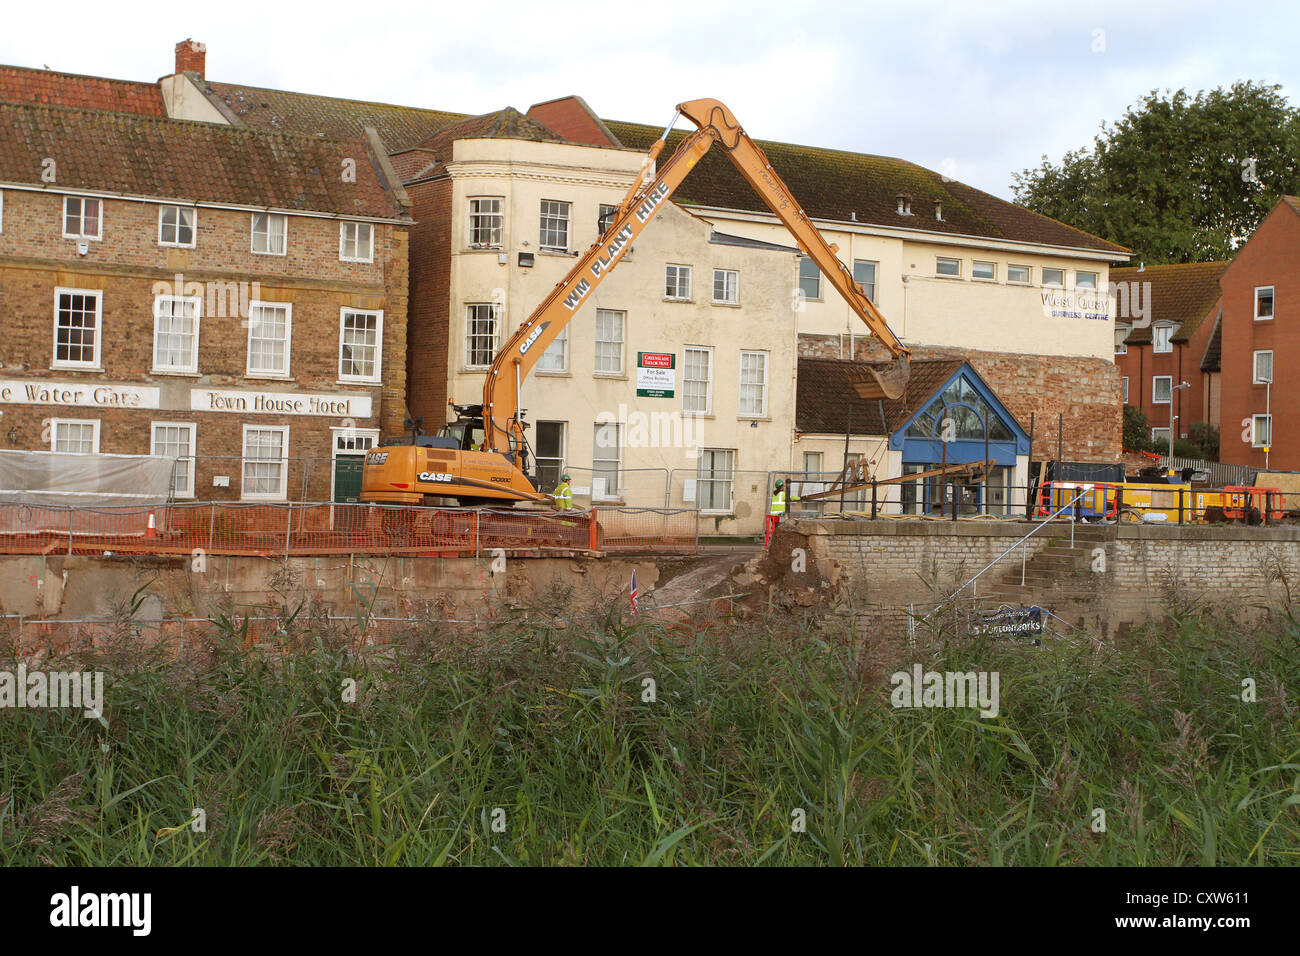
<point x="715" y="124"/>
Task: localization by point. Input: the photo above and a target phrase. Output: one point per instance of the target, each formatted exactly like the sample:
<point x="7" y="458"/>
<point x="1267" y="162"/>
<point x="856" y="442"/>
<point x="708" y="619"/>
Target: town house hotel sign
<point x="240" y="401"/>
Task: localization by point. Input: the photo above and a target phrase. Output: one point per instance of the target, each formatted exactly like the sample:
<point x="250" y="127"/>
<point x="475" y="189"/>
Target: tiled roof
<point x="572" y="118"/>
<point x="826" y="401"/>
<point x="399" y="126"/>
<point x="842" y="186"/>
<point x="508" y="123"/>
<point x="1211" y="361"/>
<point x="1180" y="292"/>
<point x="20" y="84"/>
<point x="196" y="162"/>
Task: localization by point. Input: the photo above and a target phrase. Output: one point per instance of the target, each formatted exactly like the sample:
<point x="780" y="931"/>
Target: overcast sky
<point x="976" y="90"/>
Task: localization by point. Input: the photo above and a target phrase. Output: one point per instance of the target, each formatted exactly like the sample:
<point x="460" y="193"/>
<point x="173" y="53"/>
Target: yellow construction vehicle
<point x="482" y="457"/>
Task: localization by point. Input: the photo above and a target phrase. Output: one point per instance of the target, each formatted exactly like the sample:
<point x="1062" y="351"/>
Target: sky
<point x="976" y="91"/>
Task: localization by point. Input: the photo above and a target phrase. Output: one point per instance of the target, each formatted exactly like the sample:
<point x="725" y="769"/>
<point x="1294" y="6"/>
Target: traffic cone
<point x="152" y="530"/>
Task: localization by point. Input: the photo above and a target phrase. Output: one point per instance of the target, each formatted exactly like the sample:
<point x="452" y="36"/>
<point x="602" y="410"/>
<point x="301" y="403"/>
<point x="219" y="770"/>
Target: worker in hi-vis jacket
<point x="777" y="510"/>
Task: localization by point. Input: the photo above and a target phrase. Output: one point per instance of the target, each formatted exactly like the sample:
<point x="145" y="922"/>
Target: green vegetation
<point x="753" y="719"/>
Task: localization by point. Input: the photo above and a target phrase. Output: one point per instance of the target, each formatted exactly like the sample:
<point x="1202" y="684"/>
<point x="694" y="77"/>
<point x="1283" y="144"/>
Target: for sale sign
<point x="656" y="374"/>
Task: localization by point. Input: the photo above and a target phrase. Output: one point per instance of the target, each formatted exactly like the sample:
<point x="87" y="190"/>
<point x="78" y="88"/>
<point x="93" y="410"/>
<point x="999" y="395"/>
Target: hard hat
<point x="564" y="477"/>
<point x="780" y="482"/>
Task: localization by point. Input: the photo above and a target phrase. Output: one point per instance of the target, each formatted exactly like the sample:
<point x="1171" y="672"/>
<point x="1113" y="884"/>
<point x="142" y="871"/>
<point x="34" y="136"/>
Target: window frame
<point x="542" y="227"/>
<point x="611" y="494"/>
<point x="284" y="233"/>
<point x="1254" y="430"/>
<point x="690" y="282"/>
<point x="1044" y="270"/>
<point x="1254" y="367"/>
<point x="494" y="314"/>
<point x="1029" y="274"/>
<point x="97" y="363"/>
<point x="1162" y="439"/>
<point x="499" y="215"/>
<point x="1121" y="348"/>
<point x="54" y="434"/>
<point x="764" y="385"/>
<point x="734" y="286"/>
<point x="1096" y="278"/>
<point x="99" y="219"/>
<point x="253" y="305"/>
<point x="729" y="483"/>
<point x="192" y="367"/>
<point x="1124" y="388"/>
<point x="708" y="382"/>
<point x="1155" y="339"/>
<point x="622" y="344"/>
<point x="561" y="339"/>
<point x="1168" y="399"/>
<point x="993" y="269"/>
<point x="1272" y="300"/>
<point x="370" y="243"/>
<point x="377" y="377"/>
<point x="603" y="211"/>
<point x="192" y="428"/>
<point x="193" y="226"/>
<point x="947" y="275"/>
<point x="875" y="276"/>
<point x="246" y="495"/>
<point x="801" y="278"/>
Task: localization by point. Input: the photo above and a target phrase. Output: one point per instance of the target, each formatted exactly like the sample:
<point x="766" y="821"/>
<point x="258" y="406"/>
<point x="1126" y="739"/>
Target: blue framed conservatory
<point x="961" y="421"/>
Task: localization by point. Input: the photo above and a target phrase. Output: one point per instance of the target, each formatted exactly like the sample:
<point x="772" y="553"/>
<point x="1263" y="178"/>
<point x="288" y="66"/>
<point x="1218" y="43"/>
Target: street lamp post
<point x="1173" y="418"/>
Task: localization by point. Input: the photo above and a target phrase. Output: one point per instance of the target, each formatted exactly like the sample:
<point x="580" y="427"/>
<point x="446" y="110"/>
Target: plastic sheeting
<point x="56" y="479"/>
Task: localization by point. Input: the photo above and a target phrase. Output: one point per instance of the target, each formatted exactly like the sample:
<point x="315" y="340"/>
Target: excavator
<point x="481" y="459"/>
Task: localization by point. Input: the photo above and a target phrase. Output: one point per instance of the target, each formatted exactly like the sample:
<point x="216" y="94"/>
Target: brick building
<point x="1166" y="318"/>
<point x="230" y="297"/>
<point x="1260" y="335"/>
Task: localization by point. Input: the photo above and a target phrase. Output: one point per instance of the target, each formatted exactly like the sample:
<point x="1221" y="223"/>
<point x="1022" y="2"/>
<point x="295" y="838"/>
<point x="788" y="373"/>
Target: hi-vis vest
<point x="778" y="503"/>
<point x="564" y="496"/>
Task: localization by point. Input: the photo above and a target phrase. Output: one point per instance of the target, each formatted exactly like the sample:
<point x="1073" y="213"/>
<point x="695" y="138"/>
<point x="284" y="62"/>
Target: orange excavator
<point x="482" y="458"/>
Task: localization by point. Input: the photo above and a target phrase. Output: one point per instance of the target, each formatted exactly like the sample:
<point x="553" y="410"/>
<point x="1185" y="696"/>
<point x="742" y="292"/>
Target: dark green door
<point x="347" y="478"/>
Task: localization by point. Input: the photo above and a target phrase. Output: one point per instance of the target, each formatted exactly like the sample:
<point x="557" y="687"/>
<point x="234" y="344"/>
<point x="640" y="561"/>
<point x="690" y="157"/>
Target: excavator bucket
<point x="891" y="380"/>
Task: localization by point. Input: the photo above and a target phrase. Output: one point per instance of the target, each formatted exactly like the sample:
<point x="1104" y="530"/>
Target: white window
<point x="1121" y="339"/>
<point x="356" y="242"/>
<point x="1054" y="277"/>
<point x="984" y="270"/>
<point x="1160" y="436"/>
<point x="812" y="464"/>
<point x="1263" y="367"/>
<point x="270" y="233"/>
<point x="864" y="273"/>
<point x="76" y="328"/>
<point x="950" y="268"/>
<point x="1162" y="338"/>
<point x="1263" y="303"/>
<point x="1017" y="273"/>
<point x="555" y="225"/>
<point x="74" y="436"/>
<point x="726" y="286"/>
<point x="556" y="356"/>
<point x="1085" y="280"/>
<point x="266" y="461"/>
<point x="606" y="218"/>
<point x="606" y="460"/>
<point x="548" y="451"/>
<point x="697" y="381"/>
<point x="176" y="226"/>
<point x="486" y="222"/>
<point x="753" y="384"/>
<point x="176" y="333"/>
<point x="677" y="282"/>
<point x="361" y="343"/>
<point x="1261" y="430"/>
<point x="82" y="218"/>
<point x="1124" y="388"/>
<point x="715" y="479"/>
<point x="270" y="328"/>
<point x="176" y="440"/>
<point x="609" y="341"/>
<point x="810" y="278"/>
<point x="1161" y="389"/>
<point x="481" y="321"/>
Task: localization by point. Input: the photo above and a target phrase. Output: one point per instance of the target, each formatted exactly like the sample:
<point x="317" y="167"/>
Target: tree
<point x="1178" y="178"/>
<point x="1137" y="431"/>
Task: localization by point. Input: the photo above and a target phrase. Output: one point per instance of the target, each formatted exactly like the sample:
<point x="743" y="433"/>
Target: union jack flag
<point x="635" y="610"/>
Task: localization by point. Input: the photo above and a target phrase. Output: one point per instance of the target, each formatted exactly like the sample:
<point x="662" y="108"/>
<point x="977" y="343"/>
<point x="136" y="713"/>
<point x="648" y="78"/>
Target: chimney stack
<point x="191" y="57"/>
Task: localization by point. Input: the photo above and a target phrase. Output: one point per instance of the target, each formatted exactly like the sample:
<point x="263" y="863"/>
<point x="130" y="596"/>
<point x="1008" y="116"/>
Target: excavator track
<point x="419" y="530"/>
